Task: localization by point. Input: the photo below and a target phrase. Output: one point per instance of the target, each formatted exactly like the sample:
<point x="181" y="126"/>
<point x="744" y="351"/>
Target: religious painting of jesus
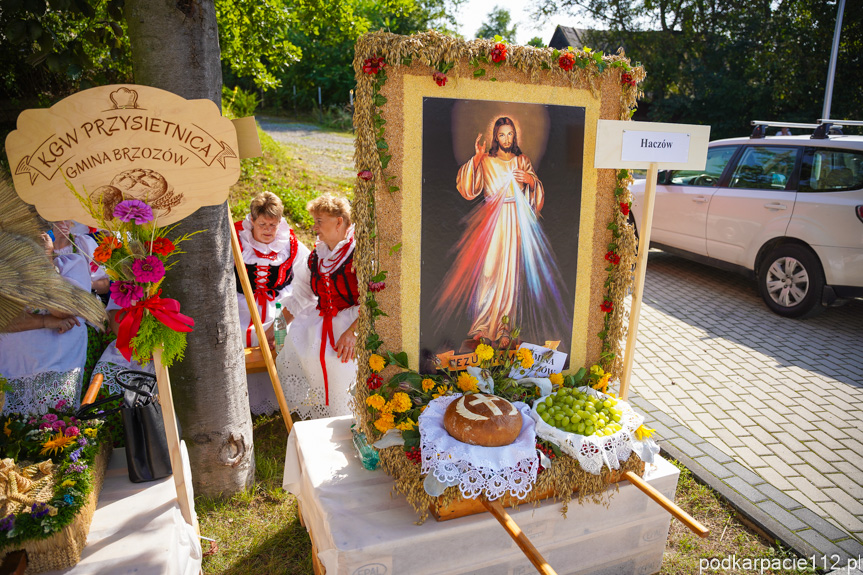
<point x="501" y="198"/>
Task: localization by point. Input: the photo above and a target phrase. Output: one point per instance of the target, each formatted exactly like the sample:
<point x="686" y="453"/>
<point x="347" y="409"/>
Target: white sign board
<point x="635" y="145"/>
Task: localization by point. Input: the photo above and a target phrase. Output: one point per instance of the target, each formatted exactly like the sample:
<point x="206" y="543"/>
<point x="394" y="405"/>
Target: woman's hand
<point x="346" y="346"/>
<point x="61" y="325"/>
<point x="523" y="177"/>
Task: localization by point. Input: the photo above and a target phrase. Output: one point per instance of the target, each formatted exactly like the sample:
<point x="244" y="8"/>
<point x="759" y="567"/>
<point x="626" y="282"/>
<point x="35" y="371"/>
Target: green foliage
<point x="153" y="334"/>
<point x="536" y="42"/>
<point x="498" y="24"/>
<point x="728" y="62"/>
<point x="238" y="103"/>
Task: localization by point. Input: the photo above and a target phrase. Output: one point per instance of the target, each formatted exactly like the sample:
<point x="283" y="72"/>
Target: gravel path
<point x="328" y="153"/>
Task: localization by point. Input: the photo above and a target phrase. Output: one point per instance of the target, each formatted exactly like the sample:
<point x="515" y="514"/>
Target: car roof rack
<point x="761" y="126"/>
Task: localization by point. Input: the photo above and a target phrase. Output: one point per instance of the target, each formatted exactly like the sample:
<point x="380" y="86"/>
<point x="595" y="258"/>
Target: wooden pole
<point x="668" y="505"/>
<point x="259" y="327"/>
<point x="166" y="399"/>
<point x="511" y="527"/>
<point x="640" y="270"/>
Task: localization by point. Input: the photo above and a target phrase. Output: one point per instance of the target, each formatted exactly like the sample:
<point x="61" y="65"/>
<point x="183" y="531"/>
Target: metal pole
<point x="295" y="101"/>
<point x="834" y="53"/>
<point x="320" y="106"/>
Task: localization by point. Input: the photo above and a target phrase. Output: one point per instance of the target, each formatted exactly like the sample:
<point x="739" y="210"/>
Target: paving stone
<point x="779" y="496"/>
<point x="826" y="453"/>
<point x="839" y="496"/>
<point x="853" y="547"/>
<point x="848" y="479"/>
<point x="757" y="447"/>
<point x="785" y="518"/>
<point x="717" y="454"/>
<point x="824" y="545"/>
<point x="686" y="447"/>
<point x="745" y="489"/>
<point x="786" y="454"/>
<point x="790" y="441"/>
<point x="842" y="517"/>
<point x="717" y="469"/>
<point x="763" y="436"/>
<point x="815" y="476"/>
<point x="823" y="526"/>
<point x="767" y="424"/>
<point x="701" y="429"/>
<point x="744" y="474"/>
<point x="688" y="435"/>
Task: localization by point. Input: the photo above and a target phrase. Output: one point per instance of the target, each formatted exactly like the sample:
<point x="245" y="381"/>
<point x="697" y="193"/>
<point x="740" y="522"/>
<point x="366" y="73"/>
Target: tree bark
<point x="175" y="47"/>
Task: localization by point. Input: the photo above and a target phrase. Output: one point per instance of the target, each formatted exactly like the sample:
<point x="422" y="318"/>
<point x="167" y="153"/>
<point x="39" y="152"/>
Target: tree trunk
<point x="175" y="47"/>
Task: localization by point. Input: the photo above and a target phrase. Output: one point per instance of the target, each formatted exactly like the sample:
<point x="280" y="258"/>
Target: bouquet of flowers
<point x="45" y="496"/>
<point x="136" y="253"/>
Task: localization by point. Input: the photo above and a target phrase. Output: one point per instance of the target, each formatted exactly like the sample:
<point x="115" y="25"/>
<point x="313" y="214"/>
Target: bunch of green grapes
<point x="577" y="412"/>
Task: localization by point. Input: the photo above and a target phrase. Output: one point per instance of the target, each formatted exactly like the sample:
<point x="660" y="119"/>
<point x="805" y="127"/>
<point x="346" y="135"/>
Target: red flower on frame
<point x="606" y="306"/>
<point x="374" y="381"/>
<point x="567" y="61"/>
<point x="440" y="78"/>
<point x="627" y="79"/>
<point x="613" y="258"/>
<point x="373" y="65"/>
<point x="624" y="208"/>
<point x="376" y="286"/>
<point x="365" y="175"/>
<point x="498" y="53"/>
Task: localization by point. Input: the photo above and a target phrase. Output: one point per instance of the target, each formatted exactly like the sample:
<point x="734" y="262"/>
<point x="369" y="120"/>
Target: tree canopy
<point x="498" y="24"/>
<point x="727" y="62"/>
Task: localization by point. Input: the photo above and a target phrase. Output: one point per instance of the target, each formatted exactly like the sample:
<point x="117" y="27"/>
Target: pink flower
<point x="60" y="405"/>
<point x="45" y="426"/>
<point x="72" y="431"/>
<point x="49" y="417"/>
<point x="376" y="286"/>
<point x="58" y="425"/>
<point x="365" y="175"/>
<point x="129" y="210"/>
<point x="148" y="270"/>
<point x="124" y="293"/>
<point x="440" y="78"/>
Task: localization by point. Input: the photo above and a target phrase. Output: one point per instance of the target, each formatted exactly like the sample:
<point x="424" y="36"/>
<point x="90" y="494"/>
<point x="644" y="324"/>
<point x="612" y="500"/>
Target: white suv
<point x="786" y="210"/>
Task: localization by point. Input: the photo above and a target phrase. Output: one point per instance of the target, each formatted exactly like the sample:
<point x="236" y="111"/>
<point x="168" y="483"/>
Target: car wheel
<point x="791" y="281"/>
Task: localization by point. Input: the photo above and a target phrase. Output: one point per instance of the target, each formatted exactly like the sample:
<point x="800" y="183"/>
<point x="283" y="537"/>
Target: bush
<point x="238" y="103"/>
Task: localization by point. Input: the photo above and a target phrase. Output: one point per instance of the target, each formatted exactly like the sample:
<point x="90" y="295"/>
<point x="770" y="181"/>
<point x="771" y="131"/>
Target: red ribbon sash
<point x="166" y="311"/>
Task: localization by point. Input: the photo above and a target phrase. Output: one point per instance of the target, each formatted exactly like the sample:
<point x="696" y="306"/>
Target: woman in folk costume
<point x="273" y="256"/>
<point x="318" y="366"/>
<point x="43" y="352"/>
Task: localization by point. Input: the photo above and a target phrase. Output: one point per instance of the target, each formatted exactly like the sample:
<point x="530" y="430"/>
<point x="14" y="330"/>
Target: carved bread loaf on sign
<point x="481" y="419"/>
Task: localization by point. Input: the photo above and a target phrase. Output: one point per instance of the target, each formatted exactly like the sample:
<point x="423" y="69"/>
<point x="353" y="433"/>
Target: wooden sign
<point x="124" y="142"/>
<point x="637" y="145"/>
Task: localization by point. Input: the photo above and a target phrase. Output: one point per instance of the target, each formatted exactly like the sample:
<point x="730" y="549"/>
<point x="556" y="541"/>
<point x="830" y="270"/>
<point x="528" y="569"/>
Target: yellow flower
<point x="384" y="423"/>
<point x="68" y="483"/>
<point x="6" y="429"/>
<point x="525" y="358"/>
<point x="466" y="382"/>
<point x="556" y="379"/>
<point x="376" y="362"/>
<point x="401" y="402"/>
<point x="387" y="409"/>
<point x="56" y="444"/>
<point x="644" y="432"/>
<point x="596" y="370"/>
<point x="484" y="352"/>
<point x="406" y="425"/>
<point x="428" y="384"/>
<point x="91" y="432"/>
<point x="440" y="391"/>
<point x="602" y="384"/>
<point x="375" y="402"/>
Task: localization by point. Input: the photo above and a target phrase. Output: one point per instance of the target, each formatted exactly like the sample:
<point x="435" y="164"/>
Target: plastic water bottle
<point x="367" y="454"/>
<point x="280" y="328"/>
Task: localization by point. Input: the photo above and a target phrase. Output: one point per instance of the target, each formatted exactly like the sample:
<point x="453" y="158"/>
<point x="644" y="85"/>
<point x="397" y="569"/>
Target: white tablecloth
<point x="360" y="527"/>
<point x="137" y="528"/>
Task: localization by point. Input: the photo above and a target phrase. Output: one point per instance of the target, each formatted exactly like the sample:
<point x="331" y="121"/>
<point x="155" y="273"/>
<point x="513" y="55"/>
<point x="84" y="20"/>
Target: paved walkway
<point x="766" y="410"/>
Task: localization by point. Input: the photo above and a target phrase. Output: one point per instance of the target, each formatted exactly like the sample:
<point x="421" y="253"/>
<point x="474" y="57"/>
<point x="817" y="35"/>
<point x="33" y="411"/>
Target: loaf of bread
<point x="481" y="419"/>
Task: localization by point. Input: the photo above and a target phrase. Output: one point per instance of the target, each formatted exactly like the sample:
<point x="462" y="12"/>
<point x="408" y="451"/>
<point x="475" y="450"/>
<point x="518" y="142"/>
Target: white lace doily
<point x="36" y="394"/>
<point x="478" y="470"/>
<point x="593" y="452"/>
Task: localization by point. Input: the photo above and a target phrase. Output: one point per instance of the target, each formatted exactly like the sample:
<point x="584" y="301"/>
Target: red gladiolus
<point x="374" y="381"/>
<point x="626" y="78"/>
<point x="606" y="306"/>
<point x="365" y="175"/>
<point x="373" y="65"/>
<point x="567" y="61"/>
<point x="498" y="53"/>
<point x="624" y="208"/>
<point x="440" y="78"/>
<point x="613" y="258"/>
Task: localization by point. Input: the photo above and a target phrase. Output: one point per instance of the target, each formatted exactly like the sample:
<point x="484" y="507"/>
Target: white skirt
<point x="300" y="372"/>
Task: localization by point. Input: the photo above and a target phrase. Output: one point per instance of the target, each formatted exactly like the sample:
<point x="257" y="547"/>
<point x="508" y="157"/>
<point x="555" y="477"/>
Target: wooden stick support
<point x="640" y="271"/>
<point x="511" y="527"/>
<point x="668" y="505"/>
<point x="259" y="327"/>
<point x="166" y="399"/>
<point x="93" y="390"/>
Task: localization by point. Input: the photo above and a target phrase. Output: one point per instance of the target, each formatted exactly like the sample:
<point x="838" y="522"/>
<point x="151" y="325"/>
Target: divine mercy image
<point x="501" y="203"/>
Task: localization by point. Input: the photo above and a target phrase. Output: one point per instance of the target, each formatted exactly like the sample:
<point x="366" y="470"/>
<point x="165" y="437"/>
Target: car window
<point x="717" y="159"/>
<point x="764" y="168"/>
<point x="831" y="170"/>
